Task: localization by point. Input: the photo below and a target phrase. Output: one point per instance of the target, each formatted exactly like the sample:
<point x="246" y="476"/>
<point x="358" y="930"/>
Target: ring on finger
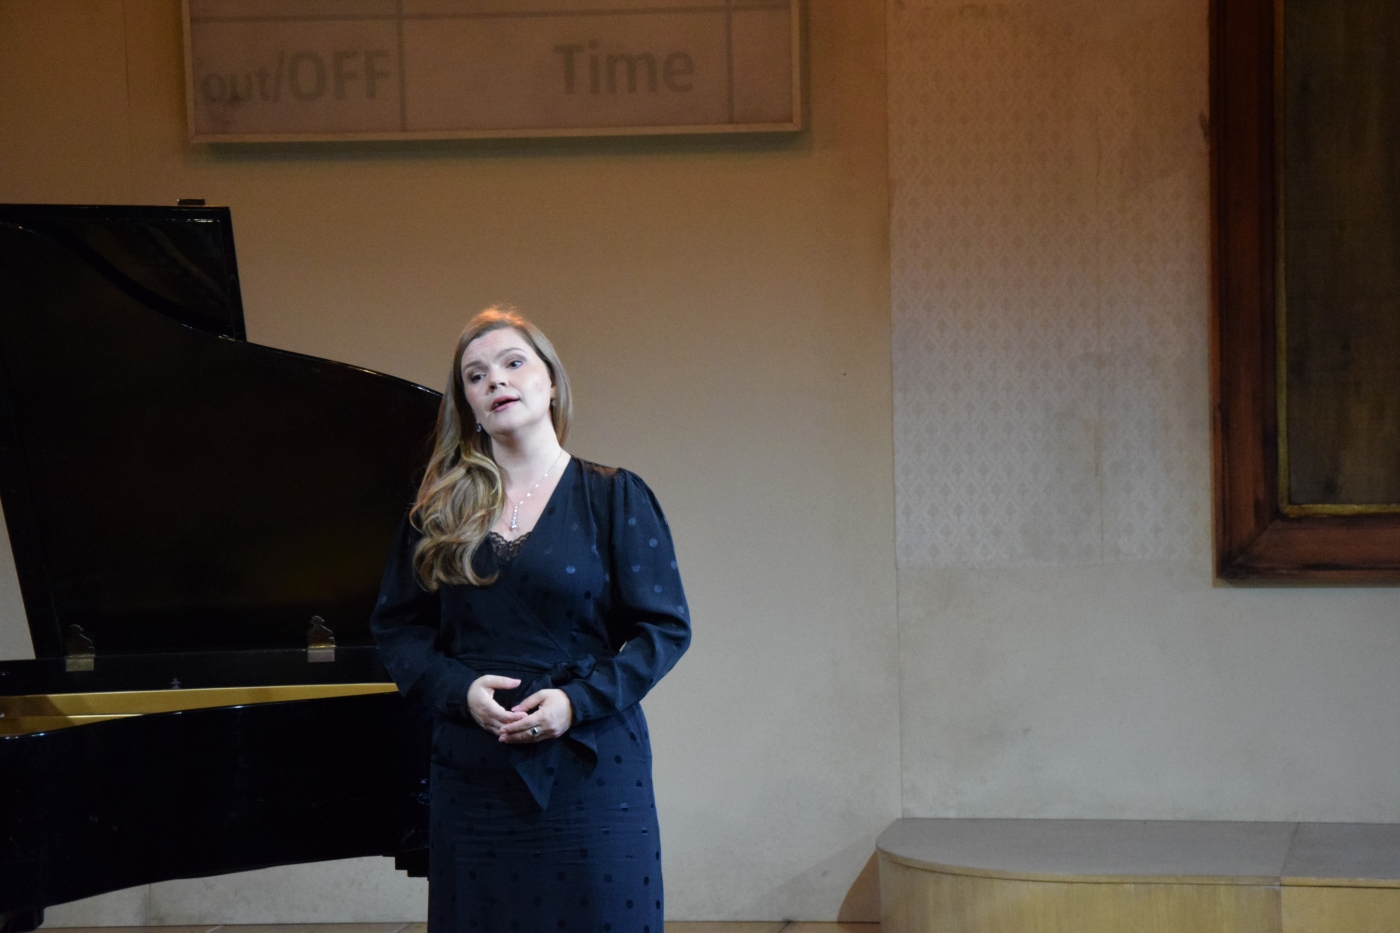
<point x="535" y="731"/>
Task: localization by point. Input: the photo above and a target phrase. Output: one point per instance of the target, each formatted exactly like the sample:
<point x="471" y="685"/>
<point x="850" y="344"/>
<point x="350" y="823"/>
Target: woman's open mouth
<point x="500" y="403"/>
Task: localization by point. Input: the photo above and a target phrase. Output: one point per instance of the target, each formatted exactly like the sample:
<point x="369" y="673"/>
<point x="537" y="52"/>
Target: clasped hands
<point x="548" y="711"/>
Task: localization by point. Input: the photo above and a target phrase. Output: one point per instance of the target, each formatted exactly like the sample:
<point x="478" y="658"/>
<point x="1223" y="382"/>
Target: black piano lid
<point x="168" y="486"/>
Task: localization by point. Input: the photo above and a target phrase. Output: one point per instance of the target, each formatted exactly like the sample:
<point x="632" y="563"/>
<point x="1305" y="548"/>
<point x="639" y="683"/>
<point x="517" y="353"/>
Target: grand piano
<point x="198" y="526"/>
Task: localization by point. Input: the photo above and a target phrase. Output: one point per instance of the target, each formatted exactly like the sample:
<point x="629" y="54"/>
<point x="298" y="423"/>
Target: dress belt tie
<point x="537" y="762"/>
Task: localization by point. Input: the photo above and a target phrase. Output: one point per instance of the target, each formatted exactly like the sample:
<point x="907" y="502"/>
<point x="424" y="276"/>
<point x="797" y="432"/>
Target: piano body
<point x="198" y="526"/>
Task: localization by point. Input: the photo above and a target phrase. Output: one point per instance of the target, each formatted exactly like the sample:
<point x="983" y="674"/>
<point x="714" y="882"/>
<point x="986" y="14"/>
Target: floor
<point x="672" y="926"/>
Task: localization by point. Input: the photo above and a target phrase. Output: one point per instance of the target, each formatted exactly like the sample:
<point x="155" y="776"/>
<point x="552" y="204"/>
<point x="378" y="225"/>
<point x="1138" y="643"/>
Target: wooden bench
<point x="1125" y="876"/>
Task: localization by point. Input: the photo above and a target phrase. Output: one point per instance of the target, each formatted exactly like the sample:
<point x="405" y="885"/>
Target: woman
<point x="531" y="599"/>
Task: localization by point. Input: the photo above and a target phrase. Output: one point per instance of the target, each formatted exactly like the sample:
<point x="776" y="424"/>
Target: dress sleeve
<point x="406" y="623"/>
<point x="649" y="619"/>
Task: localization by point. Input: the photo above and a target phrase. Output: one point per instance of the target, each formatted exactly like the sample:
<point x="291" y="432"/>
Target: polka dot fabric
<point x="559" y="835"/>
<point x="589" y="862"/>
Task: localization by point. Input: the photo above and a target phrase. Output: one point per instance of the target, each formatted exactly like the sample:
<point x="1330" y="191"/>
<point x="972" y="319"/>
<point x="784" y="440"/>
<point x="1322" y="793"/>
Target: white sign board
<point x="415" y="69"/>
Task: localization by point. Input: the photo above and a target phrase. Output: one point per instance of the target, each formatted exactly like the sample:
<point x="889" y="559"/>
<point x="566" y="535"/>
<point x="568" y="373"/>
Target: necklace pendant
<point x="515" y="512"/>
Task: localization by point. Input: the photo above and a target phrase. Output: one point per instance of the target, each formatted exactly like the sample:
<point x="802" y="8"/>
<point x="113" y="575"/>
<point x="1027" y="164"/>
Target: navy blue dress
<point x="558" y="835"/>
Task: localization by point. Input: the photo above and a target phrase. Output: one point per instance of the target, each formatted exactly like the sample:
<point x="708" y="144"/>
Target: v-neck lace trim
<point x="506" y="550"/>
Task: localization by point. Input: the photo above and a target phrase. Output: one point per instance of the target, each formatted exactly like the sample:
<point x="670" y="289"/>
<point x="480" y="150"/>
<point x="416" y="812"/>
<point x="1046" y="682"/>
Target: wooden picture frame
<point x="1256" y="538"/>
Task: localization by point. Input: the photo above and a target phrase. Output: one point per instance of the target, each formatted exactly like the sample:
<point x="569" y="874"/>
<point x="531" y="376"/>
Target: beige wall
<point x="723" y="308"/>
<point x="1063" y="651"/>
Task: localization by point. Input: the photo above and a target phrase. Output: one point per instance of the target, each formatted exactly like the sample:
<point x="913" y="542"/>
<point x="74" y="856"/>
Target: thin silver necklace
<point x="515" y="512"/>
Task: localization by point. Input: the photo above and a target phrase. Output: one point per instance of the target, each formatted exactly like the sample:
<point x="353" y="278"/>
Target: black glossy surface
<point x="177" y="261"/>
<point x="124" y="802"/>
<point x="202" y="669"/>
<point x="191" y="500"/>
<point x="172" y="490"/>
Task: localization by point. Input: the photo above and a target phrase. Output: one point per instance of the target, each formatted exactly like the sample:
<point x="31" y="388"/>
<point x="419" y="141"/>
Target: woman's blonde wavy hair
<point x="462" y="494"/>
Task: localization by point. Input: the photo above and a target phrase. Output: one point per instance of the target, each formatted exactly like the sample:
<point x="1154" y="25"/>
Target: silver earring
<point x="478" y="427"/>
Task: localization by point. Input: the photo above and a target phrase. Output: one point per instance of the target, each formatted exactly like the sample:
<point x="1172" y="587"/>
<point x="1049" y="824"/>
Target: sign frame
<point x="796" y="11"/>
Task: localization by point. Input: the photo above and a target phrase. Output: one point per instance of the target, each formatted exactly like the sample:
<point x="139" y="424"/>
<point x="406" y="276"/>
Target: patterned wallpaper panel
<point x="1049" y="281"/>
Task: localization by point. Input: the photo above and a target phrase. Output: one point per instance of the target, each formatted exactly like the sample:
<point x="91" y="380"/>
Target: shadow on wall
<point x="862" y="902"/>
<point x="796" y="897"/>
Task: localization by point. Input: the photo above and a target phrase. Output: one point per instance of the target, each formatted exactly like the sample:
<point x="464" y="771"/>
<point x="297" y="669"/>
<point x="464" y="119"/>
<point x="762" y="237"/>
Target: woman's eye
<point x="516" y="362"/>
<point x="474" y="377"/>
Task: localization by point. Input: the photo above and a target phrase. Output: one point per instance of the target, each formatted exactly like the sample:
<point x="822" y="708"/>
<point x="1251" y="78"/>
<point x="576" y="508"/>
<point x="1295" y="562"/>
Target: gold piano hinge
<point x="81" y="652"/>
<point x="320" y="642"/>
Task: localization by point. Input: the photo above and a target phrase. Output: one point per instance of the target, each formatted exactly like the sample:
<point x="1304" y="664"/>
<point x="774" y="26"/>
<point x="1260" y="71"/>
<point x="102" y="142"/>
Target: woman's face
<point x="506" y="383"/>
